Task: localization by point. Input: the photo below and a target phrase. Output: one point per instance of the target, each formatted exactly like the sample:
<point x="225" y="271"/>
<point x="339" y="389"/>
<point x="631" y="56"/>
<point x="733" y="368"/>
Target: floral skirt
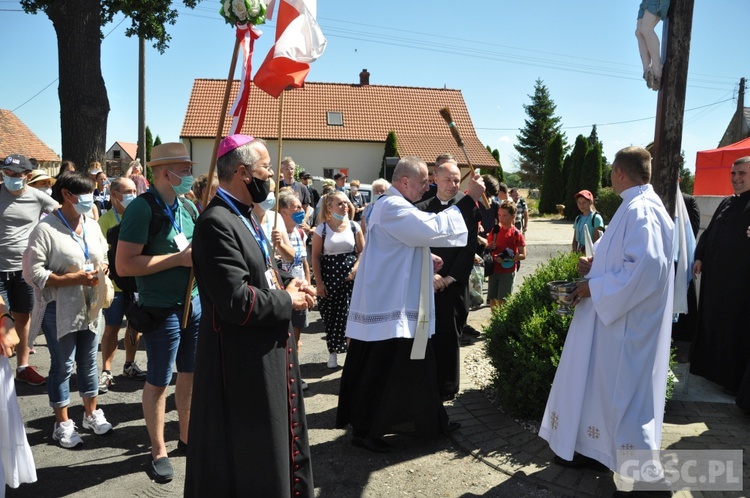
<point x="334" y="308"/>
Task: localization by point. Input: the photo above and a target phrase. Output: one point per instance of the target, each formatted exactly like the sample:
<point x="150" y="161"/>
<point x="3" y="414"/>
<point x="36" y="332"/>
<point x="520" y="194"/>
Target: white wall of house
<point x="362" y="159"/>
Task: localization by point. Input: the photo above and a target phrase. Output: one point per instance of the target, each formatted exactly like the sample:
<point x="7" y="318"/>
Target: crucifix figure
<point x="650" y="13"/>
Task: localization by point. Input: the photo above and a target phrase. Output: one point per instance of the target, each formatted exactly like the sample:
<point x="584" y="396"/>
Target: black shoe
<point x="161" y="470"/>
<point x="181" y="447"/>
<point x="581" y="462"/>
<point x="452" y="426"/>
<point x="466" y="340"/>
<point x="470" y="331"/>
<point x="447" y="397"/>
<point x="374" y="444"/>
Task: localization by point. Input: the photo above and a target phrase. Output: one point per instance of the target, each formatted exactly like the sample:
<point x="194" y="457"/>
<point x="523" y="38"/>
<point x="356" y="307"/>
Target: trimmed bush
<point x="607" y="202"/>
<point x="525" y="338"/>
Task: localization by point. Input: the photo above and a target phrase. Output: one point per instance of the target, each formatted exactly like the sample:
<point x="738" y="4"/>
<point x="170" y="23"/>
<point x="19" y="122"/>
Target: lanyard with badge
<point x="88" y="265"/>
<point x="258" y="235"/>
<point x="180" y="240"/>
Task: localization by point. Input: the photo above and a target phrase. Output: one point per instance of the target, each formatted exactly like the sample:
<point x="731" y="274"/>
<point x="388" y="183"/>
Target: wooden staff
<point x="212" y="167"/>
<point x="278" y="163"/>
<point x="446" y="114"/>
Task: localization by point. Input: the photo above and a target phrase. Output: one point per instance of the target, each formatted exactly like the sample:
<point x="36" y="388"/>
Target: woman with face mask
<point x="62" y="263"/>
<point x="291" y="211"/>
<point x="267" y="218"/>
<point x="337" y="245"/>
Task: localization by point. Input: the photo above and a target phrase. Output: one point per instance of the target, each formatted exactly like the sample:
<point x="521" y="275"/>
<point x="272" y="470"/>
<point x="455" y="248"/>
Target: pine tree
<point x="593" y="140"/>
<point x="539" y="131"/>
<point x="574" y="177"/>
<point x="553" y="188"/>
<point x="591" y="175"/>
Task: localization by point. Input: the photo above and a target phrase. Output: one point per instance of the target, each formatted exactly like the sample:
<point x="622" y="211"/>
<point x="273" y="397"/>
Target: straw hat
<point x="169" y="153"/>
<point x="39" y="175"/>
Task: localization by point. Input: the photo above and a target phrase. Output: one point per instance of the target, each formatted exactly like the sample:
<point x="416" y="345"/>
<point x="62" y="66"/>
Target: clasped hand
<point x="302" y="294"/>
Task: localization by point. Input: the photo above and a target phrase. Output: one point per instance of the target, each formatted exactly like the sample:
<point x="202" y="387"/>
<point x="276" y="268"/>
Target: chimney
<point x="364" y="78"/>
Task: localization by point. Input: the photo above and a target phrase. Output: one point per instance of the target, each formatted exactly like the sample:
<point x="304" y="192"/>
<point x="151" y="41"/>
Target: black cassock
<point x="721" y="349"/>
<point x="452" y="303"/>
<point x="248" y="433"/>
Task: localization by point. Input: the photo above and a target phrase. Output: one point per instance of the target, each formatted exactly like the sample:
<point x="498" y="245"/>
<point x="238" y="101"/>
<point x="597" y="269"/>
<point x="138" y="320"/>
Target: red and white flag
<point x="299" y="42"/>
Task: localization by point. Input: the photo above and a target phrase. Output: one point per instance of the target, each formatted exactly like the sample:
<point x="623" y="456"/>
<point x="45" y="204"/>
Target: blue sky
<point x="493" y="51"/>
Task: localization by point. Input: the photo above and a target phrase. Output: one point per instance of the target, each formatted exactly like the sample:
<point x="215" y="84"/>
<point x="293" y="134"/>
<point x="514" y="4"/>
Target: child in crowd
<point x="508" y="249"/>
<point x="589" y="219"/>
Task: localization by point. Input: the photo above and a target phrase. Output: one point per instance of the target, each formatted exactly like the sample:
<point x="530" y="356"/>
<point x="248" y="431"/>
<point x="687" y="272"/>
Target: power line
<point x="598" y="125"/>
<point x="58" y="79"/>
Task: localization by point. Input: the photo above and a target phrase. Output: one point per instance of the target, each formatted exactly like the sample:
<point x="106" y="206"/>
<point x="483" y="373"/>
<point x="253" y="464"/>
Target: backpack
<point x="159" y="221"/>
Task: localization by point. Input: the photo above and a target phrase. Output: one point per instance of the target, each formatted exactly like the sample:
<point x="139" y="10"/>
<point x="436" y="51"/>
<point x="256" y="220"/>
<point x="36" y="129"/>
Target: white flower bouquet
<point x="243" y="11"/>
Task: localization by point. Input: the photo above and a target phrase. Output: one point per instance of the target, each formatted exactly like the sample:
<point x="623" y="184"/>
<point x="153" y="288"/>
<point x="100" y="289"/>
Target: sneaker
<point x="30" y="376"/>
<point x="105" y="381"/>
<point x="97" y="423"/>
<point x="333" y="361"/>
<point x="133" y="371"/>
<point x="32" y="350"/>
<point x="65" y="434"/>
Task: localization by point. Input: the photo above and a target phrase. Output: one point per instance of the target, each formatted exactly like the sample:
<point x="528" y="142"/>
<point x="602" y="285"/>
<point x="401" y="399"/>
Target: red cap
<point x="584" y="193"/>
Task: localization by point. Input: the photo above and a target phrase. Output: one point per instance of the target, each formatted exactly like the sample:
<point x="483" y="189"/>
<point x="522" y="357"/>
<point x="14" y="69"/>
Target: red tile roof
<point x="130" y="149"/>
<point x="369" y="113"/>
<point x="17" y="138"/>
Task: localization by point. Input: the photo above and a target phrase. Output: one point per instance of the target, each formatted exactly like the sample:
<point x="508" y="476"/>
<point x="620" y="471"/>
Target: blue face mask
<point x="85" y="203"/>
<point x="269" y="202"/>
<point x="298" y="217"/>
<point x="340" y="217"/>
<point x="127" y="199"/>
<point x="186" y="183"/>
<point x="14" y="184"/>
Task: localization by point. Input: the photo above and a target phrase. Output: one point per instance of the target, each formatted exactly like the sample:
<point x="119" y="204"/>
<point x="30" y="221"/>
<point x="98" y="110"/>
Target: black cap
<point x="17" y="163"/>
<point x="304" y="174"/>
<point x="339" y="175"/>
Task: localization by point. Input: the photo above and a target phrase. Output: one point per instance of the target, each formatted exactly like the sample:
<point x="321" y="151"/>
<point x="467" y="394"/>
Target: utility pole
<point x="740" y="110"/>
<point x="142" y="102"/>
<point x="670" y="108"/>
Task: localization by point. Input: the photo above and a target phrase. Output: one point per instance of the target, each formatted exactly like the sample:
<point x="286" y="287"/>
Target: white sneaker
<point x="97" y="423"/>
<point x="65" y="434"/>
<point x="333" y="361"/>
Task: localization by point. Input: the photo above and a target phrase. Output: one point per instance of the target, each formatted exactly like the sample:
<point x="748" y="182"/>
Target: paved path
<point x="491" y="455"/>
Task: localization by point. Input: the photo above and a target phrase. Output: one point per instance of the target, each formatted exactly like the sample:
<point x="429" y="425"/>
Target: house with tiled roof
<point x="119" y="157"/>
<point x="330" y="127"/>
<point x="17" y="138"/>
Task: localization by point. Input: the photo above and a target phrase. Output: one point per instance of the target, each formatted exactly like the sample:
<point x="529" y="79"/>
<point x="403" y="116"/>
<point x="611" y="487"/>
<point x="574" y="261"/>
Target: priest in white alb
<point x="389" y="385"/>
<point x="610" y="386"/>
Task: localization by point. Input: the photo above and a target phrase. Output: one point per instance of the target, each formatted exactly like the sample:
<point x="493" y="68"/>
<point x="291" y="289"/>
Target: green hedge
<point x="607" y="202"/>
<point x="525" y="338"/>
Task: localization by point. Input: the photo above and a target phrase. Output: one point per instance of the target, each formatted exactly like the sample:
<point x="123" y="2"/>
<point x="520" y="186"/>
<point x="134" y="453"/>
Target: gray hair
<point x="245" y="154"/>
<point x="742" y="160"/>
<point x="381" y="182"/>
<point x="409" y="167"/>
<point x="286" y="197"/>
<point x="117" y="183"/>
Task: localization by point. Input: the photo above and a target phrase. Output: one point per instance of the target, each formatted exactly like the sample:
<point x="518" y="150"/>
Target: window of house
<point x="116" y="154"/>
<point x="335" y="118"/>
<point x="328" y="172"/>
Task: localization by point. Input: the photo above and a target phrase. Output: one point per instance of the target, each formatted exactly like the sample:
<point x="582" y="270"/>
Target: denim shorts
<point x="170" y="345"/>
<point x="116" y="311"/>
<point x="17" y="294"/>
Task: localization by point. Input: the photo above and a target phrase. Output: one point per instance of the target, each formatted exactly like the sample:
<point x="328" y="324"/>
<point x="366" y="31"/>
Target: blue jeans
<point x="81" y="347"/>
<point x="170" y="344"/>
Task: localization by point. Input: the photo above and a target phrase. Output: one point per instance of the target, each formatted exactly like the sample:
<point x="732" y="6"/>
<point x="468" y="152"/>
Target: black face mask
<point x="259" y="189"/>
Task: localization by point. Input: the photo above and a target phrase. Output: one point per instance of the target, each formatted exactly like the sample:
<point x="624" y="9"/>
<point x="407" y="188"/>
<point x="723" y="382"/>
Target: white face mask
<point x="48" y="191"/>
<point x="127" y="199"/>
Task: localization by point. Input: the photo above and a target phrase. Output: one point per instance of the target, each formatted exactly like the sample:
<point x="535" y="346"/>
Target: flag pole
<point x="212" y="166"/>
<point x="278" y="161"/>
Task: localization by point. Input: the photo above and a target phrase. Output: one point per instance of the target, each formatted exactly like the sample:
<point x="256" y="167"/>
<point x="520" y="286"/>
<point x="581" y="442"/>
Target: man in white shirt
<point x="389" y="380"/>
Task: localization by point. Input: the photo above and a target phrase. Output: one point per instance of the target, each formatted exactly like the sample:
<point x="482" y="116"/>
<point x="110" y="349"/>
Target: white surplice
<point x="385" y="299"/>
<point x="610" y="386"/>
